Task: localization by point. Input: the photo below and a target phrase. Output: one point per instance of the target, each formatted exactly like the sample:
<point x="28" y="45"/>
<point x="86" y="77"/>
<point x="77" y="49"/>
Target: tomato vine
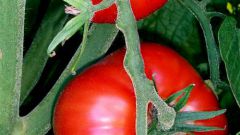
<point x="133" y="63"/>
<point x="204" y="17"/>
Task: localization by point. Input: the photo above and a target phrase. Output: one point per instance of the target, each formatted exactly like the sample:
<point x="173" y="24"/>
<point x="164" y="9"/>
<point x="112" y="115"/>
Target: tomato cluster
<point x="101" y="100"/>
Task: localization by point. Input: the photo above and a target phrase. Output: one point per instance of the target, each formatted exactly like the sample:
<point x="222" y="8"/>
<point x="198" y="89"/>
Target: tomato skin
<point x="141" y="9"/>
<point x="101" y="101"/>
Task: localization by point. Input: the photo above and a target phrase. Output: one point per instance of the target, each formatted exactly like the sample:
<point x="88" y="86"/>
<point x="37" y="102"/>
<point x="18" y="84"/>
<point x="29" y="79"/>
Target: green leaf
<point x="69" y="30"/>
<point x="229" y="40"/>
<point x="176" y="25"/>
<point x="192" y="116"/>
<point x="39" y="120"/>
<point x="11" y="55"/>
<point x="238" y="133"/>
<point x="36" y="57"/>
<point x="31" y="15"/>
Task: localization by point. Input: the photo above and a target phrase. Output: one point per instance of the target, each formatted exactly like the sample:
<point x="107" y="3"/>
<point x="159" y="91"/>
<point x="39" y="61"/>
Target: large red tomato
<point x="141" y="9"/>
<point x="101" y="101"/>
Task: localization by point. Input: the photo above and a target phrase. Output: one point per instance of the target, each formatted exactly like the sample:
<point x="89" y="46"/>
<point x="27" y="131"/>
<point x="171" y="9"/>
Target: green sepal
<point x="192" y="116"/>
<point x="194" y="128"/>
<point x="183" y="100"/>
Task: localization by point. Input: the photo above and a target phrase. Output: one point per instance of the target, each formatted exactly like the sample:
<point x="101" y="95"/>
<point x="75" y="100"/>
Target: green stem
<point x="83" y="44"/>
<point x="212" y="49"/>
<point x="11" y="56"/>
<point x="133" y="63"/>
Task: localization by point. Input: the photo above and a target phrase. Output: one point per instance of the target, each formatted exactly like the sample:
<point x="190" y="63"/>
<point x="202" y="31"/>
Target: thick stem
<point x="11" y="56"/>
<point x="133" y="63"/>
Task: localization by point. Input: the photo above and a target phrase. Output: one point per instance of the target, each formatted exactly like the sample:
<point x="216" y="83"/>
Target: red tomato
<point x="141" y="9"/>
<point x="101" y="101"/>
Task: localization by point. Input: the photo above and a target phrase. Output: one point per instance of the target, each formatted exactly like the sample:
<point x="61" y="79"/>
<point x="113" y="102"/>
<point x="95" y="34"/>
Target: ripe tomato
<point x="101" y="101"/>
<point x="141" y="9"/>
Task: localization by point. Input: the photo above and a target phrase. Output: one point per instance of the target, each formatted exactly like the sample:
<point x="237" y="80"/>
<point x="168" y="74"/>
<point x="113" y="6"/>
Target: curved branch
<point x="213" y="52"/>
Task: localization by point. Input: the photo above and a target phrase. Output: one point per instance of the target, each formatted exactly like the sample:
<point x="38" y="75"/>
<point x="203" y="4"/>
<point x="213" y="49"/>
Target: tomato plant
<point x="139" y="8"/>
<point x="114" y="93"/>
<point x="101" y="99"/>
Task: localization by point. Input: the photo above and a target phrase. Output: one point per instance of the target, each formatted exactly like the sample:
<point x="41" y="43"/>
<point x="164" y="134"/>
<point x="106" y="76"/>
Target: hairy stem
<point x="212" y="49"/>
<point x="133" y="63"/>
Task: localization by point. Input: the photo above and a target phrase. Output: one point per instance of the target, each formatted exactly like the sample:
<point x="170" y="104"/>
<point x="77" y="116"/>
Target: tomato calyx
<point x="184" y="121"/>
<point x="179" y="99"/>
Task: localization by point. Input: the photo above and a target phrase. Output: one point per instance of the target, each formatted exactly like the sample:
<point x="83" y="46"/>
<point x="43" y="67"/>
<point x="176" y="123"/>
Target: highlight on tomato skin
<point x="101" y="100"/>
<point x="141" y="9"/>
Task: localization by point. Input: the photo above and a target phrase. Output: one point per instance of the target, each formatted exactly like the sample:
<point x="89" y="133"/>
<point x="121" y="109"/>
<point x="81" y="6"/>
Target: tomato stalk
<point x="83" y="45"/>
<point x="133" y="64"/>
<point x="204" y="18"/>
